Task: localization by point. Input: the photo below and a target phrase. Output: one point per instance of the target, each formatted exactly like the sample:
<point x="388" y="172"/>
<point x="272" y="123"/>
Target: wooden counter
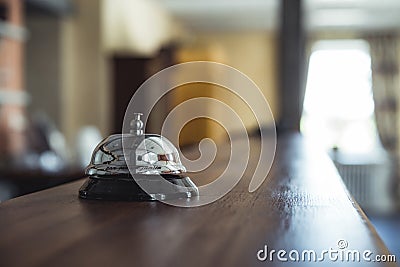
<point x="302" y="206"/>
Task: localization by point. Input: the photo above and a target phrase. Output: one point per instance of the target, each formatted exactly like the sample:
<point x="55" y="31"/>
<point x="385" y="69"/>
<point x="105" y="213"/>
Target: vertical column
<point x="291" y="65"/>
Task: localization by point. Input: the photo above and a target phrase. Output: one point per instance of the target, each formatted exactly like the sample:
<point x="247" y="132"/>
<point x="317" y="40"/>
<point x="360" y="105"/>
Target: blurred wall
<point x="66" y="72"/>
<point x="43" y="65"/>
<point x="253" y="53"/>
<point x="73" y="87"/>
<point x="138" y="27"/>
<point x="85" y="94"/>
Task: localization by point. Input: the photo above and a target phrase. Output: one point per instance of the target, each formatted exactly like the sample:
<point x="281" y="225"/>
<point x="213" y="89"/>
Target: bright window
<point x="338" y="105"/>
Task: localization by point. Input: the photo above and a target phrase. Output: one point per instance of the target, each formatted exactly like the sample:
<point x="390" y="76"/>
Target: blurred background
<point x="329" y="68"/>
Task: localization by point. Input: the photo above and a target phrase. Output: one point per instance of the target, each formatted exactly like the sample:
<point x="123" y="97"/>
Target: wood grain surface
<point x="303" y="205"/>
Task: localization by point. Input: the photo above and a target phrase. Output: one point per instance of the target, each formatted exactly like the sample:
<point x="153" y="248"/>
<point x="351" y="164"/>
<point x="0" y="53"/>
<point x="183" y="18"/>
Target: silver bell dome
<point x="148" y="154"/>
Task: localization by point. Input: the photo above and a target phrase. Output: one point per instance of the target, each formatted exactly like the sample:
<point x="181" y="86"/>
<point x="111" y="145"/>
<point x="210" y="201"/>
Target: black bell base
<point x="126" y="189"/>
<point x="110" y="189"/>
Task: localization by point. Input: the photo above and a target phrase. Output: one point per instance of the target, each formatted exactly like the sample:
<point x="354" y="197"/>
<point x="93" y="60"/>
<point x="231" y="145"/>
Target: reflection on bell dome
<point x="157" y="155"/>
<point x="108" y="158"/>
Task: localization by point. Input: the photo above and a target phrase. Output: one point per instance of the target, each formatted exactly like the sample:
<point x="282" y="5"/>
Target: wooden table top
<point x="302" y="206"/>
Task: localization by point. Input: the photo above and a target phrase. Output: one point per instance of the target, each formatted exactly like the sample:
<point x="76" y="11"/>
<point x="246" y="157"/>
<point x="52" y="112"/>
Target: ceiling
<point x="217" y="15"/>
